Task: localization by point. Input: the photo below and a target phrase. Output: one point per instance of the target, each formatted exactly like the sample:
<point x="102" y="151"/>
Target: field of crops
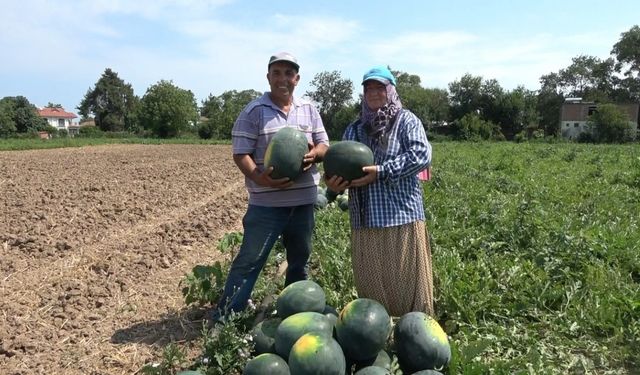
<point x="536" y="252"/>
<point x="535" y="257"/>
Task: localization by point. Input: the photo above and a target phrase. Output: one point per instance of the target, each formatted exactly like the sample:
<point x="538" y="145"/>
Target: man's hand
<point x="315" y="155"/>
<point x="264" y="179"/>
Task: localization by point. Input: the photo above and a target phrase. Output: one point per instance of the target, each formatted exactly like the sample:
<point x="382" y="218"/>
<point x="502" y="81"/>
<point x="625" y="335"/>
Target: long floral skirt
<point x="393" y="266"/>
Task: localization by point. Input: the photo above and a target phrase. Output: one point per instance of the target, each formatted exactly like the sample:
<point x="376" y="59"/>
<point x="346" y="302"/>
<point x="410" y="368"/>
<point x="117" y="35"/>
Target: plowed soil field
<point x="93" y="244"/>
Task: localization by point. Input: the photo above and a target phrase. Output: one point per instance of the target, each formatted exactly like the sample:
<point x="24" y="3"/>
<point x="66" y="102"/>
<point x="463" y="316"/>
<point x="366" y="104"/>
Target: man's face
<point x="283" y="79"/>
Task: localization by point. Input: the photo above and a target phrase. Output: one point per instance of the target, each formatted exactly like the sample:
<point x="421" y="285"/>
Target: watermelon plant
<point x="535" y="257"/>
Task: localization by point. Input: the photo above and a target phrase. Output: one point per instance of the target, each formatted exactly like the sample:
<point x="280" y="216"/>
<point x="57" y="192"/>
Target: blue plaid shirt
<point x="396" y="197"/>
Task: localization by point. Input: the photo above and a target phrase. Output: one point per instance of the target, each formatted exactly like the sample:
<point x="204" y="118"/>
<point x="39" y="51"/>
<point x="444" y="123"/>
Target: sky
<point x="55" y="51"/>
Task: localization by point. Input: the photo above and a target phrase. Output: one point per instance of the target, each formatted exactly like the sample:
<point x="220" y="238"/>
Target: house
<point x="575" y="113"/>
<point x="60" y="119"/>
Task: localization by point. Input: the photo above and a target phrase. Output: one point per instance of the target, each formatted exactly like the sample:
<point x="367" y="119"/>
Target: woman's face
<point x="375" y="94"/>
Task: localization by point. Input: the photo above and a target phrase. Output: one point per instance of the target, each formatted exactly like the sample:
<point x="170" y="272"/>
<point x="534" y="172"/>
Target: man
<point x="277" y="207"/>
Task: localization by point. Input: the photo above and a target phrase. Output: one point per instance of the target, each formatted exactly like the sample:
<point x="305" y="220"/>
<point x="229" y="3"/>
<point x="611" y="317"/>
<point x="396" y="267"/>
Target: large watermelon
<point x="285" y="153"/>
<point x="266" y="363"/>
<point x="316" y="354"/>
<point x="303" y="295"/>
<point x="420" y="343"/>
<point x="363" y="329"/>
<point x="346" y="159"/>
<point x="264" y="335"/>
<point x="296" y="325"/>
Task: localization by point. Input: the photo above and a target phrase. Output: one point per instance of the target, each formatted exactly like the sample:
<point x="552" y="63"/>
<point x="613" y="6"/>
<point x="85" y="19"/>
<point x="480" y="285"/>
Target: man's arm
<point x="249" y="168"/>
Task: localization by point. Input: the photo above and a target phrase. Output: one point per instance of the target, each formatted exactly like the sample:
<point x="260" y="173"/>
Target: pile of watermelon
<point x="307" y="336"/>
<point x="327" y="196"/>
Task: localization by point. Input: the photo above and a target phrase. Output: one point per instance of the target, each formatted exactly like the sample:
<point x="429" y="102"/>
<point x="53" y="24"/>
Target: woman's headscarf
<point x="379" y="123"/>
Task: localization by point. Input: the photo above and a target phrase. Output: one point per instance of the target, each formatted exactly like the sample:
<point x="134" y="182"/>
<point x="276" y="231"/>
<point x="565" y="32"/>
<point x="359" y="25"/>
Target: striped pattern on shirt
<point x="256" y="125"/>
<point x="396" y="197"/>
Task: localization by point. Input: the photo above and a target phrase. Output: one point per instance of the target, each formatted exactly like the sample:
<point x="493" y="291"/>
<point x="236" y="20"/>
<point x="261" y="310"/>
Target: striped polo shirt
<point x="395" y="198"/>
<point x="256" y="125"/>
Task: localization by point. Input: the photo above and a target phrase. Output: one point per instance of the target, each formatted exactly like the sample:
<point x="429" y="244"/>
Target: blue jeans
<point x="262" y="227"/>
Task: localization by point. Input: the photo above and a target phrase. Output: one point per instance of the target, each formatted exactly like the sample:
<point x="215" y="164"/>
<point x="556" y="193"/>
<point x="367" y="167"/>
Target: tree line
<point x="471" y="108"/>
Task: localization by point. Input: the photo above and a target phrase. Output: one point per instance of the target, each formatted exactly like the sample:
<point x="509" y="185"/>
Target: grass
<point x="535" y="251"/>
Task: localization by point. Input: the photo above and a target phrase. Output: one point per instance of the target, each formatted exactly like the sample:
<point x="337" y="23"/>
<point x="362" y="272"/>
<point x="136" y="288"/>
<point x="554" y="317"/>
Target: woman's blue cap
<point x="379" y="73"/>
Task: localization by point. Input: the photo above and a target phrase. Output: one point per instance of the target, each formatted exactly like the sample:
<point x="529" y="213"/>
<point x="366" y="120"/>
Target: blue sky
<point x="54" y="51"/>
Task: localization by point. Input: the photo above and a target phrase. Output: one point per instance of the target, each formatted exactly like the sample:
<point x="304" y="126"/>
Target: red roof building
<point x="59" y="119"/>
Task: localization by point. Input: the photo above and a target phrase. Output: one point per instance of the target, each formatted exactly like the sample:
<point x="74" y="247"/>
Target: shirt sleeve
<point x="245" y="131"/>
<point x="415" y="150"/>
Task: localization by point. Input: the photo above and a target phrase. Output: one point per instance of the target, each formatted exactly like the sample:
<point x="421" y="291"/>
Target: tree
<point x="588" y="77"/>
<point x="7" y="125"/>
<point x="221" y="112"/>
<point x="610" y="124"/>
<point x="332" y="93"/>
<point x="431" y="105"/>
<point x="112" y="103"/>
<point x="465" y="96"/>
<point x="518" y="112"/>
<point x="19" y="115"/>
<point x="550" y="99"/>
<point x="53" y="105"/>
<point x="167" y="110"/>
<point x="627" y="53"/>
<point x="473" y="128"/>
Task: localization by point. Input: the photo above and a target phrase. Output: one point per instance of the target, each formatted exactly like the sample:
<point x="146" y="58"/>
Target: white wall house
<point x="575" y="113"/>
<point x="60" y="119"/>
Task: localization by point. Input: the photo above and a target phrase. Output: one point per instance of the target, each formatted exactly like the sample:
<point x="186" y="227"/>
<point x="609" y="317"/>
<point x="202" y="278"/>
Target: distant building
<point x="575" y="113"/>
<point x="60" y="119"/>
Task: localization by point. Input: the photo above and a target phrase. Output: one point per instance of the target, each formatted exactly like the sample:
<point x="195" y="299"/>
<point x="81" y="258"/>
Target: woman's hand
<point x="371" y="173"/>
<point x="336" y="184"/>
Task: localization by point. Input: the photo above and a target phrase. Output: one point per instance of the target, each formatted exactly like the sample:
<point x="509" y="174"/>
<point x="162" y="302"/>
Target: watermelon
<point x="296" y="325"/>
<point x="321" y="202"/>
<point x="303" y="295"/>
<point x="372" y="370"/>
<point x="264" y="334"/>
<point x="420" y="343"/>
<point x="266" y="363"/>
<point x="331" y="195"/>
<point x="316" y="354"/>
<point x="363" y="329"/>
<point x="381" y="360"/>
<point x="343" y="204"/>
<point x="346" y="159"/>
<point x="285" y="153"/>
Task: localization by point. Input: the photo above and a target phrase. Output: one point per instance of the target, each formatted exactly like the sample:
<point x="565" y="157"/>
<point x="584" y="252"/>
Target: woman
<point x="390" y="249"/>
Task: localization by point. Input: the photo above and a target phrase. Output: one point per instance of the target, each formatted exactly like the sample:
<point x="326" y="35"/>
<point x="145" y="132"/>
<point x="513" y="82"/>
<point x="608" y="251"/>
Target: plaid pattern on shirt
<point x="396" y="197"/>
